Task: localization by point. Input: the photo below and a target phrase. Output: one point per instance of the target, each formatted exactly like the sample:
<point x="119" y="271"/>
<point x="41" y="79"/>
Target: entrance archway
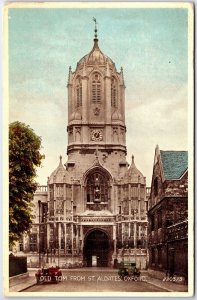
<point x="96" y="249"/>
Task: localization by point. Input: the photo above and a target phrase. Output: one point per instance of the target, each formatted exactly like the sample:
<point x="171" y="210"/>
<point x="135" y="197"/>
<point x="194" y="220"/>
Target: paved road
<point x="97" y="281"/>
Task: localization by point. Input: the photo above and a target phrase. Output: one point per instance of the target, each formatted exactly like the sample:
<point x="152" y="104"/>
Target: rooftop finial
<point x="60" y="159"/>
<point x="95" y="30"/>
<point x="122" y="76"/>
<point x="132" y="159"/>
<point x="96" y="153"/>
<point x="69" y="75"/>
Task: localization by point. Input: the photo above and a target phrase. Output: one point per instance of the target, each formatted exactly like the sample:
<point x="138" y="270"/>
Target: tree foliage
<point x="24" y="157"/>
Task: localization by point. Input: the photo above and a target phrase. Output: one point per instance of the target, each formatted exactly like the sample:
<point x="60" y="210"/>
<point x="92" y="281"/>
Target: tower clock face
<point x="96" y="135"/>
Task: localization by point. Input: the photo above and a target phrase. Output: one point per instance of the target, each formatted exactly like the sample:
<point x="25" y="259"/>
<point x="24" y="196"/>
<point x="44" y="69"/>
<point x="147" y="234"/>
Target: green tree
<point x="24" y="157"/>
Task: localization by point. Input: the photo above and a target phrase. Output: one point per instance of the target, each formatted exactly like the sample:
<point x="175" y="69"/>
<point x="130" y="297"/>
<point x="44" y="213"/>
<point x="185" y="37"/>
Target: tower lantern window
<point x="96" y="88"/>
<point x="79" y="94"/>
<point x="113" y="93"/>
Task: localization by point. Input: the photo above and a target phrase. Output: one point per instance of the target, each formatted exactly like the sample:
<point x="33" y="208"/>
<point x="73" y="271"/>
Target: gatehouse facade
<point x="93" y="209"/>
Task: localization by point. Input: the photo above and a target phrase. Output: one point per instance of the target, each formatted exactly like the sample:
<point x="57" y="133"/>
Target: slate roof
<point x="175" y="163"/>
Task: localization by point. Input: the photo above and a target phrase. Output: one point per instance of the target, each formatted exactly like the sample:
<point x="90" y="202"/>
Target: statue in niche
<point x="97" y="189"/>
<point x="97" y="111"/>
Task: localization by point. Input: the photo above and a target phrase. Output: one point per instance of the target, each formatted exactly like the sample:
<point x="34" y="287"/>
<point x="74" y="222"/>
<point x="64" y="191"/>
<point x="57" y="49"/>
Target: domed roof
<point x="60" y="175"/>
<point x="95" y="56"/>
<point x="116" y="115"/>
<point x="133" y="175"/>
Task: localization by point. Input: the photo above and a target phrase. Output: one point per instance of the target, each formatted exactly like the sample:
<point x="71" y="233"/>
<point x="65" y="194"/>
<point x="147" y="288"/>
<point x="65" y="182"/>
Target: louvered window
<point x="113" y="93"/>
<point x="96" y="89"/>
<point x="79" y="95"/>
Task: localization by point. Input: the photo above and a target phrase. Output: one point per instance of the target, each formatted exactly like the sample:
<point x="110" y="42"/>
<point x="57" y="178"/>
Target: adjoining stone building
<point x="93" y="210"/>
<point x="168" y="215"/>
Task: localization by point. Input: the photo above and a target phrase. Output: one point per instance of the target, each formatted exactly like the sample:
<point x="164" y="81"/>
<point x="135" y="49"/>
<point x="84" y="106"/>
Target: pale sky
<point x="151" y="46"/>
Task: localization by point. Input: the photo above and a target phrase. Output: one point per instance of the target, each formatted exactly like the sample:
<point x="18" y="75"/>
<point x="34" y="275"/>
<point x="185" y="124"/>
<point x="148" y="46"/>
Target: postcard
<point x="98" y="119"/>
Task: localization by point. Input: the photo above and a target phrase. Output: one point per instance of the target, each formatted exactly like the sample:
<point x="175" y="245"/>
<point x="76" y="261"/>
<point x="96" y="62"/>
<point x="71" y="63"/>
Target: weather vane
<point x="95" y="30"/>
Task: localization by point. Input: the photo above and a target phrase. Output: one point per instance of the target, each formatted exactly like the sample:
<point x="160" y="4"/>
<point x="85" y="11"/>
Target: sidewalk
<point x="167" y="285"/>
<point x="20" y="284"/>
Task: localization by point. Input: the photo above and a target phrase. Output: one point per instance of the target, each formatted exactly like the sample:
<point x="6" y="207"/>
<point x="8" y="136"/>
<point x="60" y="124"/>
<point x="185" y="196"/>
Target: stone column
<point x="122" y="96"/>
<point x="146" y="235"/>
<point x="114" y="238"/>
<point x="59" y="234"/>
<point x="129" y="191"/>
<point x="48" y="199"/>
<point x="122" y="232"/>
<point x="114" y="202"/>
<point x="107" y="98"/>
<point x="72" y="240"/>
<point x="83" y="198"/>
<point x="55" y="192"/>
<point x="64" y="201"/>
<point x="139" y="233"/>
<point x="129" y="209"/>
<point x="138" y="204"/>
<point x="138" y="188"/>
<point x="135" y="229"/>
<point x="77" y="238"/>
<point x="72" y="199"/>
<point x="139" y="209"/>
<point x="69" y="87"/>
<point x="81" y="237"/>
<point x="48" y="235"/>
<point x="54" y="239"/>
<point x="129" y="229"/>
<point x="65" y="238"/>
<point x="70" y="108"/>
<point x="85" y="105"/>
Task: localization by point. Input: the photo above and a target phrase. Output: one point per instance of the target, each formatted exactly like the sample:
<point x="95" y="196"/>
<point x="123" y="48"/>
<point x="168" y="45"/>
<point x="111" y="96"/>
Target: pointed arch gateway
<point x="97" y="248"/>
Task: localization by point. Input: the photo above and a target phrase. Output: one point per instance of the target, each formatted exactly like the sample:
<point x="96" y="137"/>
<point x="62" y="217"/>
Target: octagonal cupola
<point x="95" y="56"/>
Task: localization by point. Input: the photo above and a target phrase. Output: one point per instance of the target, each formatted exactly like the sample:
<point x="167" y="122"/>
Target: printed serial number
<point x="173" y="278"/>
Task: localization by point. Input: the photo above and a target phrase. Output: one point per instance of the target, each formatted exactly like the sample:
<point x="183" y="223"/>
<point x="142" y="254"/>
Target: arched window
<point x="78" y="94"/>
<point x="98" y="187"/>
<point x="96" y="88"/>
<point x="114" y="93"/>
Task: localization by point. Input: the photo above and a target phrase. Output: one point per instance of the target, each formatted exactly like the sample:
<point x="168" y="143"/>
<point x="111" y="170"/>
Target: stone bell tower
<point x="96" y="108"/>
<point x="97" y="206"/>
